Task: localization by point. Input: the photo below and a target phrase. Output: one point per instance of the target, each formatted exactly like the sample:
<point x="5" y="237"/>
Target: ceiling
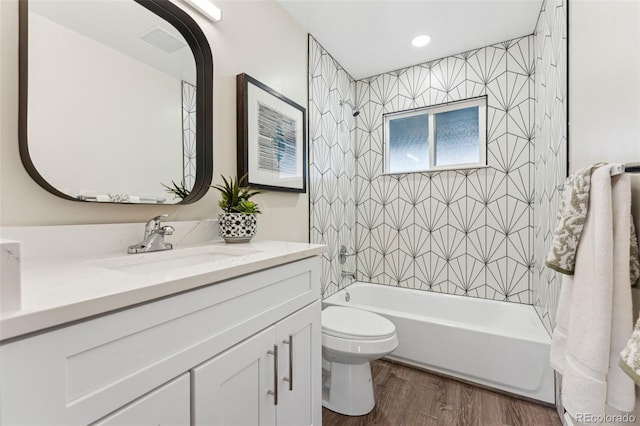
<point x="370" y="37"/>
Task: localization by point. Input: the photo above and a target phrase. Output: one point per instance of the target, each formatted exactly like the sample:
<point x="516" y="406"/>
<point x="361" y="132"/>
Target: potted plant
<point x="179" y="190"/>
<point x="238" y="223"/>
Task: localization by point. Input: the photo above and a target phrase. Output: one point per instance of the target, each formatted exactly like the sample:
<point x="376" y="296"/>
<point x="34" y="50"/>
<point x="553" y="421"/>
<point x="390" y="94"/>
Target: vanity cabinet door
<point x="234" y="388"/>
<point x="169" y="405"/>
<point x="238" y="387"/>
<point x="300" y="369"/>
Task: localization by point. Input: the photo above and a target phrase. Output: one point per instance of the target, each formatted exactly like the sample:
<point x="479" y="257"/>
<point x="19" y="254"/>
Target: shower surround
<point x="460" y="232"/>
<point x="332" y="166"/>
<point x="551" y="148"/>
<point x="464" y="232"/>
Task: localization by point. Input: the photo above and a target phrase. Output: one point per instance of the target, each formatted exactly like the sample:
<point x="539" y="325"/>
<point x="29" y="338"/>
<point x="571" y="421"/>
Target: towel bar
<point x="616" y="170"/>
<point x="124" y="198"/>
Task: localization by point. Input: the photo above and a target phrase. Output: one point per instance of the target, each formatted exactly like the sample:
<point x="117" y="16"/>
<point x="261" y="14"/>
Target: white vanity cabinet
<point x="170" y="405"/>
<point x="300" y="338"/>
<point x="269" y="379"/>
<point x="170" y="361"/>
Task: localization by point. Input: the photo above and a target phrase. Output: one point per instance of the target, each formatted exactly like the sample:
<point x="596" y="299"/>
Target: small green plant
<point x="235" y="196"/>
<point x="177" y="189"/>
<point x="246" y="206"/>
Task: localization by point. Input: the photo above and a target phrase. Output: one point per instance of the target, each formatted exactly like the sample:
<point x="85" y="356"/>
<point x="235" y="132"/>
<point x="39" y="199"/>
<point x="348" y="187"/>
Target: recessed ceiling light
<point x="421" y="40"/>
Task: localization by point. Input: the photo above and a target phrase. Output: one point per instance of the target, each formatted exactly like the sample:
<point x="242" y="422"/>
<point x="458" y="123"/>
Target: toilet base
<point x="348" y="389"/>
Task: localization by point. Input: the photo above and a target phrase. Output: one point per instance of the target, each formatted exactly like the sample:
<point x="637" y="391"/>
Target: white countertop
<point x="67" y="289"/>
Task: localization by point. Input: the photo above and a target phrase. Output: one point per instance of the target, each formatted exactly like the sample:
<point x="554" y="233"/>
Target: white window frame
<point x="430" y="111"/>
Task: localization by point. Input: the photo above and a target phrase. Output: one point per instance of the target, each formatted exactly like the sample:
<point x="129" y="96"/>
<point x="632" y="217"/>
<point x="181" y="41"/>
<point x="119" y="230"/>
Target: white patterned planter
<point x="237" y="227"/>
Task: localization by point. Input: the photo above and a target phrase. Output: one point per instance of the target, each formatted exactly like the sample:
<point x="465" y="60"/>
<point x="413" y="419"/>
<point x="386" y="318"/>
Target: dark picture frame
<point x="271" y="137"/>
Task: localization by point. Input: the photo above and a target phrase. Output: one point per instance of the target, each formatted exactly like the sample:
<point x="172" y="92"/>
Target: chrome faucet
<point x="342" y="259"/>
<point x="342" y="255"/>
<point x="153" y="237"/>
<point x="351" y="275"/>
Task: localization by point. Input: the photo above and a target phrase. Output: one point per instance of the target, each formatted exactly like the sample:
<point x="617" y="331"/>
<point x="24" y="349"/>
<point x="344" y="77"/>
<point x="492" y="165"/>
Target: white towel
<point x="594" y="316"/>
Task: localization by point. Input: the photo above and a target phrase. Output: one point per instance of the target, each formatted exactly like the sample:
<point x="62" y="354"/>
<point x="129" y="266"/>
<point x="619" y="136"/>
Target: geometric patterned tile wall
<point x="551" y="147"/>
<point x="188" y="134"/>
<point x="331" y="164"/>
<point x="466" y="232"/>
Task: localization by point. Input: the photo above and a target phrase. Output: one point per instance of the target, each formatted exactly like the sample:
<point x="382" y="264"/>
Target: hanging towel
<point x="572" y="213"/>
<point x="630" y="355"/>
<point x="594" y="315"/>
<point x="570" y="219"/>
<point x="634" y="256"/>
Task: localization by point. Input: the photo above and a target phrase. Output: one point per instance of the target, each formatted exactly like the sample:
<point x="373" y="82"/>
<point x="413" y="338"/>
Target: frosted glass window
<point x="409" y="144"/>
<point x="440" y="137"/>
<point x="457" y="139"/>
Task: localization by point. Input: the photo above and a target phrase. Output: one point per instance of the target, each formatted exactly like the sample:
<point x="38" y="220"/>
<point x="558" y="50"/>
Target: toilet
<point x="350" y="339"/>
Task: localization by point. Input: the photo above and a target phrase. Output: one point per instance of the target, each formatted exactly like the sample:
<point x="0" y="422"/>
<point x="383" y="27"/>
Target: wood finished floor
<point x="406" y="396"/>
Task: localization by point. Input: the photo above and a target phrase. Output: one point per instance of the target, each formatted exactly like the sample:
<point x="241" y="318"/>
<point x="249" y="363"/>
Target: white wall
<point x="604" y="85"/>
<point x="604" y="90"/>
<point x="256" y="37"/>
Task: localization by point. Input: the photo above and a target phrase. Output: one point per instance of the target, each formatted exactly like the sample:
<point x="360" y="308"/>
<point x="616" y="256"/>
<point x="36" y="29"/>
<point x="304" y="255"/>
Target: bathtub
<point x="496" y="344"/>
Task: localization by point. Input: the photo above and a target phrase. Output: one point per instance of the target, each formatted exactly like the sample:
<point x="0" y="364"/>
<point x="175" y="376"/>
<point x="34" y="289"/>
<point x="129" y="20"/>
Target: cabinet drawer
<point x="168" y="405"/>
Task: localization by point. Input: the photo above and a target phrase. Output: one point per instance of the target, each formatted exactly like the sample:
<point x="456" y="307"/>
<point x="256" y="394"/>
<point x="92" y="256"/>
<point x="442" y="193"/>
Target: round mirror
<point x="115" y="100"/>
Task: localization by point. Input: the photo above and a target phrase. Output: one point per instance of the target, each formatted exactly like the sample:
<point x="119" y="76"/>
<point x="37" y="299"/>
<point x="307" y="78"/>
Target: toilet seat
<point x="355" y="324"/>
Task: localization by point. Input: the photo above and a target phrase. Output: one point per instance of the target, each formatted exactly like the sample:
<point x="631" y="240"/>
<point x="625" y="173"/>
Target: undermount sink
<point x="164" y="261"/>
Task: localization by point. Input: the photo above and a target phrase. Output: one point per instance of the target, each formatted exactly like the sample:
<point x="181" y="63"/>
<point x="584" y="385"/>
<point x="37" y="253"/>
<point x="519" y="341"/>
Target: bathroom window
<point x="441" y="137"/>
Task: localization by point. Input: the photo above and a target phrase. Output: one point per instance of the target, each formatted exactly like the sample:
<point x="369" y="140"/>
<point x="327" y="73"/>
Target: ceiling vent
<point x="163" y="40"/>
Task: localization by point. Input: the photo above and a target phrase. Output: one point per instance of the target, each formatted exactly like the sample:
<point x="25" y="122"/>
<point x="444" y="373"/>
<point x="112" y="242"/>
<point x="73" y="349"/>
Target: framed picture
<point x="272" y="137"/>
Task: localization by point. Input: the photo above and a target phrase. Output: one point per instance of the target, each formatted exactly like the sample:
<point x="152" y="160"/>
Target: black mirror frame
<point x="201" y="50"/>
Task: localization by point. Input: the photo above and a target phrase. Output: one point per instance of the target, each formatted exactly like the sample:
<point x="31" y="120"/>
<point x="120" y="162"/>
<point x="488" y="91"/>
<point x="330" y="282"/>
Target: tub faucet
<point x="351" y="275"/>
<point x="342" y="255"/>
<point x="153" y="237"/>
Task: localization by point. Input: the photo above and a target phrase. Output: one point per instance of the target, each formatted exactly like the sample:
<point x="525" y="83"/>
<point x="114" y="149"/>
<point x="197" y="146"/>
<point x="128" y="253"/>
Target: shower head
<point x="354" y="111"/>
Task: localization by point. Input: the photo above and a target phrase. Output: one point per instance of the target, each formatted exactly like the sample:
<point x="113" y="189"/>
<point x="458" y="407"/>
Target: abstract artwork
<point x="271" y="132"/>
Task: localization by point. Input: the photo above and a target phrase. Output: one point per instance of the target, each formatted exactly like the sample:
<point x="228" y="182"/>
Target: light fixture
<point x="421" y="40"/>
<point x="206" y="8"/>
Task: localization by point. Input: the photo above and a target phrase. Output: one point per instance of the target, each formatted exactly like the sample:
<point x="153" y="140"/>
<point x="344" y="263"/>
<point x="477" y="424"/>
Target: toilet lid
<point x="340" y="321"/>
